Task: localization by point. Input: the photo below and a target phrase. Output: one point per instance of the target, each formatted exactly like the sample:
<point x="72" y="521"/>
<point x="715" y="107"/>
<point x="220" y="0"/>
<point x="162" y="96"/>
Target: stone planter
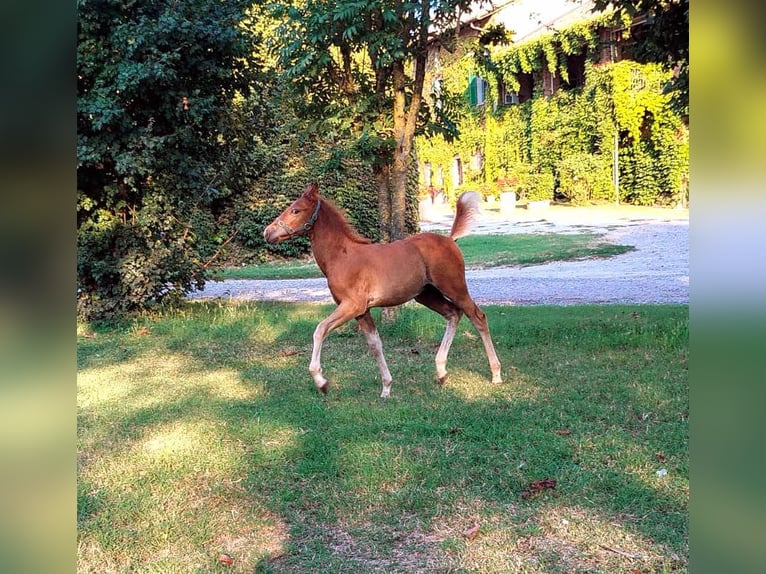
<point x="507" y="202"/>
<point x="426" y="210"/>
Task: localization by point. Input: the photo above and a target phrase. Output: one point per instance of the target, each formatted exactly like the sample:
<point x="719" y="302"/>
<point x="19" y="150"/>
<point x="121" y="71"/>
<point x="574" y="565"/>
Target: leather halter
<point x="306" y="227"/>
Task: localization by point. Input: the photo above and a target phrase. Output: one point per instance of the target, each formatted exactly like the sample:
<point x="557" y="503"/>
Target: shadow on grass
<point x="378" y="485"/>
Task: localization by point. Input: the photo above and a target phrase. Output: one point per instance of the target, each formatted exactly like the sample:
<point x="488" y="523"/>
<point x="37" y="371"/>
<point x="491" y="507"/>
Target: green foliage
<point x="166" y="131"/>
<point x="355" y="69"/>
<point x="542" y="53"/>
<point x="539" y="186"/>
<point x="516" y="177"/>
<point x="665" y="41"/>
<point x="571" y="133"/>
<point x="124" y="266"/>
<point x="636" y="93"/>
<point x="584" y="177"/>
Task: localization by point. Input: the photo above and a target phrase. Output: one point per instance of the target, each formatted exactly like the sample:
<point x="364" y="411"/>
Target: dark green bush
<point x="539" y="186"/>
<point x="584" y="177"/>
<point x="348" y="183"/>
<point x="128" y="265"/>
<point x="159" y="144"/>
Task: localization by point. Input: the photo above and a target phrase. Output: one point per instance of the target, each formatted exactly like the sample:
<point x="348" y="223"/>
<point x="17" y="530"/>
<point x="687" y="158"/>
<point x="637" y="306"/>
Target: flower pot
<point x="507" y="202"/>
<point x="426" y="210"/>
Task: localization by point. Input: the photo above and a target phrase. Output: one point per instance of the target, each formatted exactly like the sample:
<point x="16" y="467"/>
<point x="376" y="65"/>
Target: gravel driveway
<point x="657" y="271"/>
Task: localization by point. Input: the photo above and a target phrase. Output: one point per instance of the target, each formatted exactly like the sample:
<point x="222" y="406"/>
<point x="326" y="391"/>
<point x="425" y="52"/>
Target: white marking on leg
<point x="315" y="367"/>
<point x="376" y="347"/>
<point x="479" y="320"/>
<point x="340" y="315"/>
<point x="443" y="352"/>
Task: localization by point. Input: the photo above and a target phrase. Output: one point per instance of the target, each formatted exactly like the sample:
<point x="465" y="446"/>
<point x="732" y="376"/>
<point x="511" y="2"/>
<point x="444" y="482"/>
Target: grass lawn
<point x="200" y="433"/>
<point x="478" y="251"/>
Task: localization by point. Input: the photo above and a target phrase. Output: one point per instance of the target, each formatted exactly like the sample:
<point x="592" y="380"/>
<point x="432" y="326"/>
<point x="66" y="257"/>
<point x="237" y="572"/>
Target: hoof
<point x="497" y="381"/>
<point x="323" y="388"/>
<point x="443" y="380"/>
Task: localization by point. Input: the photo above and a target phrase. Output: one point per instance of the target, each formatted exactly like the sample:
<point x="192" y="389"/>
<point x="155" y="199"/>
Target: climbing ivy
<point x="570" y="134"/>
<point x="545" y="51"/>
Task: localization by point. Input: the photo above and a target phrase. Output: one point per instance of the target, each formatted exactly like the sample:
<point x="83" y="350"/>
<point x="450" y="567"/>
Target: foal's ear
<point x="312" y="191"/>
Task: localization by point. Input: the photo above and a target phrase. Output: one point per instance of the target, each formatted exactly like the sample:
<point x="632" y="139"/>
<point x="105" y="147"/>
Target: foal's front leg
<point x="342" y="314"/>
<point x="376" y="347"/>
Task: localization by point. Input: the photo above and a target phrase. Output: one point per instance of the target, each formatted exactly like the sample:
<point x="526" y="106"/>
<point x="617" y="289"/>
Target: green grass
<point x="508" y="250"/>
<point x="478" y="251"/>
<point x="200" y="432"/>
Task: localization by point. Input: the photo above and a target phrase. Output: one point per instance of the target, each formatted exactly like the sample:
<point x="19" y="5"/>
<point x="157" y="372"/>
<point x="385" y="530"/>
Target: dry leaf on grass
<point x="471" y="532"/>
<point x="537" y="486"/>
<point x="225" y="559"/>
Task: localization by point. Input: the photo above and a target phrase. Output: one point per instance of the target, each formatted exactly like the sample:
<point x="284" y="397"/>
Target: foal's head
<point x="297" y="219"/>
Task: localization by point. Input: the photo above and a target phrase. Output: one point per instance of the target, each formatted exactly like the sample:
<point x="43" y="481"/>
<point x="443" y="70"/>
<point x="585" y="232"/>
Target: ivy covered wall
<point x="347" y="181"/>
<point x="561" y="146"/>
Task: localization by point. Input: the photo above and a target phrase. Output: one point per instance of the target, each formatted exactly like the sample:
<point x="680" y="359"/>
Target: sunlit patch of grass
<point x="178" y="490"/>
<point x="201" y="432"/>
<point x="129" y="382"/>
<point x="474" y="384"/>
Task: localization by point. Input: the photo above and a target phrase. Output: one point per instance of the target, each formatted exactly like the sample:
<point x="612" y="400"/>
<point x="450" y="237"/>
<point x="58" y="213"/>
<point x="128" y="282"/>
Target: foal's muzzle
<point x="271" y="235"/>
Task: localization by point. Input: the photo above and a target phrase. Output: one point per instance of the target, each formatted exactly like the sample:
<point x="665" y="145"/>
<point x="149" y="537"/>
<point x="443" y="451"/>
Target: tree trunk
<point x="403" y="143"/>
<point x="381" y="174"/>
<point x="399" y="197"/>
<point x="405" y="121"/>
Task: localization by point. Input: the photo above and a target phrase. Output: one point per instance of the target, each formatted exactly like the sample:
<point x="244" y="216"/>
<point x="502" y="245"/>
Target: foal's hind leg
<point x="376" y="347"/>
<point x="457" y="292"/>
<point x="479" y="320"/>
<point x="434" y="300"/>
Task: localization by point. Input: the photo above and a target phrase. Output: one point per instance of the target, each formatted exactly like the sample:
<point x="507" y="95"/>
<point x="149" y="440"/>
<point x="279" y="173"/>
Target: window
<point x="575" y="71"/>
<point x="550" y="83"/>
<point x="477" y="160"/>
<point x="526" y="83"/>
<point x="507" y="96"/>
<point x="436" y="92"/>
<point x="427" y="174"/>
<point x="439" y="183"/>
<point x="477" y="90"/>
<point x="510" y="97"/>
<point x="457" y="171"/>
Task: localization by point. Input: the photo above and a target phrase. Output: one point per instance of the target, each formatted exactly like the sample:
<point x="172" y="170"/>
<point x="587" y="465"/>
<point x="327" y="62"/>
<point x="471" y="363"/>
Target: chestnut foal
<point x="426" y="267"/>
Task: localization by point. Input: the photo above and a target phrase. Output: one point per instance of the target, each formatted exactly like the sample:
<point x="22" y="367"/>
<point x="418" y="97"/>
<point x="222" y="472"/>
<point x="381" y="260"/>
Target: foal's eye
<point x="295" y="211"/>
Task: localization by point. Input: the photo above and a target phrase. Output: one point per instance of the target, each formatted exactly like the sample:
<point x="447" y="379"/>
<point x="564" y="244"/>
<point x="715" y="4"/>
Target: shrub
<point x="539" y="186"/>
<point x="157" y="144"/>
<point x="517" y="179"/>
<point x="584" y="177"/>
<point x="129" y="265"/>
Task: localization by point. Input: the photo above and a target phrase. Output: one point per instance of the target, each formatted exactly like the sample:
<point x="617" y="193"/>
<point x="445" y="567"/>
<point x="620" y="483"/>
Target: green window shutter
<point x="473" y="92"/>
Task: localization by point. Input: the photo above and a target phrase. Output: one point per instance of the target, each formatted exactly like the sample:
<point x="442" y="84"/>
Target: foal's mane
<point x="339" y="222"/>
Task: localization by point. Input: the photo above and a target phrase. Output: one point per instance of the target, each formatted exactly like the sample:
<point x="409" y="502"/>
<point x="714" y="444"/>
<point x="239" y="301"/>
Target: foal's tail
<point x="467" y="209"/>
